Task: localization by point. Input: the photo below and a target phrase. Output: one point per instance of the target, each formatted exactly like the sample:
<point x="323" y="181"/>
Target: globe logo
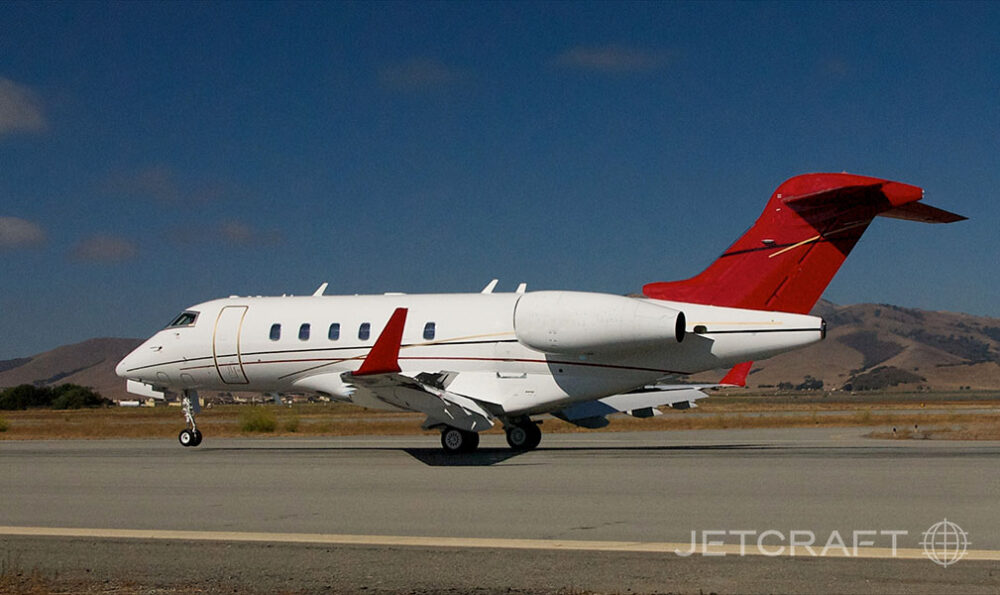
<point x="945" y="543"/>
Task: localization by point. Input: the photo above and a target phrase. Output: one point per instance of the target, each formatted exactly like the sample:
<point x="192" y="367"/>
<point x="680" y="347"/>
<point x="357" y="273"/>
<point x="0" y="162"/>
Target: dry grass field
<point x="960" y="415"/>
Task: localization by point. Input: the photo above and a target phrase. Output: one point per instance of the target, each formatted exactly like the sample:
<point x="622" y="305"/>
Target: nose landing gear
<point x="190" y="407"/>
<point x="189" y="437"/>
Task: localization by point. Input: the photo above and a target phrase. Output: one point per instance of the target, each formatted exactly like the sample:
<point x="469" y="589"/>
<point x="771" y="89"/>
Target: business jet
<point x="471" y="361"/>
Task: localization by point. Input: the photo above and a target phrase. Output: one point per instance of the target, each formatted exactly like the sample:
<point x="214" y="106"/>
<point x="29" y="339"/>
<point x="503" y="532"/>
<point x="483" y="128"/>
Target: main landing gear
<point x="522" y="435"/>
<point x="455" y="441"/>
<point x="190" y="406"/>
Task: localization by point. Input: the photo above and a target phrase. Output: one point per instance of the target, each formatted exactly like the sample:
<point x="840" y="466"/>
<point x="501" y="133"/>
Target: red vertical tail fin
<point x="786" y="260"/>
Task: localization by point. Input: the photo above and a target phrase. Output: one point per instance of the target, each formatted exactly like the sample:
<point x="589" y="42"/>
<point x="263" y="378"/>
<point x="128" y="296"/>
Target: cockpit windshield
<point x="184" y="319"/>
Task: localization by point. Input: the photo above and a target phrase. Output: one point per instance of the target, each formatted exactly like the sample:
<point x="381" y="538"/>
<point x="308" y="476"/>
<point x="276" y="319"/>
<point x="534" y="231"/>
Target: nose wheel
<point x="189" y="437"/>
<point x="189" y="405"/>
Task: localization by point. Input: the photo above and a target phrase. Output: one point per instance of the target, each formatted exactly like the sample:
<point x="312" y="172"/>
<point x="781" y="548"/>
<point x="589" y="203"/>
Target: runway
<point x="399" y="515"/>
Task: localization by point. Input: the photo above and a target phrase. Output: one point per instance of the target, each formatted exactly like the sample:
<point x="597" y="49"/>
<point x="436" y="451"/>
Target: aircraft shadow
<point x="485" y="457"/>
<point x="433" y="457"/>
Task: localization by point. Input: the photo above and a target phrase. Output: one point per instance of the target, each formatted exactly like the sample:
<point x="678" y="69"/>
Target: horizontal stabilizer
<point x="916" y="211"/>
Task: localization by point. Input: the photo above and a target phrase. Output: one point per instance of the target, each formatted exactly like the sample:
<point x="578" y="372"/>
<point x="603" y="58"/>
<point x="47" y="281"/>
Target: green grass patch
<point x="292" y="425"/>
<point x="3" y="425"/>
<point x="257" y="419"/>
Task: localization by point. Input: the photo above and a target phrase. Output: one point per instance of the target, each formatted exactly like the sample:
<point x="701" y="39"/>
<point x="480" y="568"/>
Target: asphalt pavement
<point x="786" y="510"/>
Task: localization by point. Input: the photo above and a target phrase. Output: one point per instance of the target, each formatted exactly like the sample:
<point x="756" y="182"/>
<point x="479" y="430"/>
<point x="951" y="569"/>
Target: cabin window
<point x="429" y="331"/>
<point x="304" y="331"/>
<point x="275" y="331"/>
<point x="365" y="331"/>
<point x="184" y="319"/>
<point x="334" y="332"/>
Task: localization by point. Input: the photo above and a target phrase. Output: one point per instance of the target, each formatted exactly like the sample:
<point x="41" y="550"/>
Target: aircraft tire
<point x="524" y="436"/>
<point x="197" y="438"/>
<point x="186" y="438"/>
<point x="534" y="436"/>
<point x="454" y="440"/>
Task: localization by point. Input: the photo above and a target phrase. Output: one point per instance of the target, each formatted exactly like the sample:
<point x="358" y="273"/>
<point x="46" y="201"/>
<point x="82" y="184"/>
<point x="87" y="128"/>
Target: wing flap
<point x="440" y="406"/>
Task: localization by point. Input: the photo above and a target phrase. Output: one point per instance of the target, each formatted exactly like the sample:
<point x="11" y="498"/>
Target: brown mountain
<point x="867" y="344"/>
<point x="90" y="363"/>
<point x="872" y="342"/>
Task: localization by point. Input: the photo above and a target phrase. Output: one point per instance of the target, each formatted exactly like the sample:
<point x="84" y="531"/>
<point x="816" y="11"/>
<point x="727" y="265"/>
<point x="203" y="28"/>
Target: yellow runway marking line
<point x="481" y="543"/>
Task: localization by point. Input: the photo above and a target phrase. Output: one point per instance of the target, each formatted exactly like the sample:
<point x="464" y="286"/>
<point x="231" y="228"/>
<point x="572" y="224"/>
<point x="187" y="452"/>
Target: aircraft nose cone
<point x="121" y="367"/>
<point x="125" y="365"/>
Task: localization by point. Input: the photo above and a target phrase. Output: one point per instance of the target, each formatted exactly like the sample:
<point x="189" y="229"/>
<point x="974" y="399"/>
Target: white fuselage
<point x="530" y="353"/>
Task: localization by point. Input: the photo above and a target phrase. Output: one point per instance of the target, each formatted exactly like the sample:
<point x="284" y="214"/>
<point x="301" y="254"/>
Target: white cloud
<point x="104" y="249"/>
<point x="15" y="233"/>
<point x="612" y="59"/>
<point x="417" y="74"/>
<point x="20" y="109"/>
<point x="238" y="233"/>
<point x="159" y="182"/>
<point x="231" y="232"/>
<point x="156" y="181"/>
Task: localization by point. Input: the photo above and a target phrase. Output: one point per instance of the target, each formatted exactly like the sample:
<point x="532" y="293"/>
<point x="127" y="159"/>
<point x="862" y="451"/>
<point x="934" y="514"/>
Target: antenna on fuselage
<point x="490" y="286"/>
<point x="321" y="289"/>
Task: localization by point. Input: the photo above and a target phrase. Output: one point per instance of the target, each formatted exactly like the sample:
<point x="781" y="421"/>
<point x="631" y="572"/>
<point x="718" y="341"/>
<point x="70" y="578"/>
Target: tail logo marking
<point x="818" y="237"/>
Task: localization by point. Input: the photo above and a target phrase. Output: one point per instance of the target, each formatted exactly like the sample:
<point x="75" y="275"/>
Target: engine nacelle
<point x="571" y="322"/>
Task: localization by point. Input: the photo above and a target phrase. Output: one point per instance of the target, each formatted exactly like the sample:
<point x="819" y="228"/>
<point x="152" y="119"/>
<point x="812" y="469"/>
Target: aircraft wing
<point x="643" y="402"/>
<point x="419" y="394"/>
<point x="380" y="377"/>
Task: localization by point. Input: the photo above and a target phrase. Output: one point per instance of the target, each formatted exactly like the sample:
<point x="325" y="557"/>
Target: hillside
<point x="867" y="344"/>
<point x="90" y="363"/>
<point x="936" y="350"/>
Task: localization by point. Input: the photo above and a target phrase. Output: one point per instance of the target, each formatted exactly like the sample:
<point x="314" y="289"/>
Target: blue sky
<point x="154" y="155"/>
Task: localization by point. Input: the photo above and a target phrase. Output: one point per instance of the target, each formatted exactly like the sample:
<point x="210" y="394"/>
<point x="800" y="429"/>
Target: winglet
<point x="738" y="375"/>
<point x="384" y="356"/>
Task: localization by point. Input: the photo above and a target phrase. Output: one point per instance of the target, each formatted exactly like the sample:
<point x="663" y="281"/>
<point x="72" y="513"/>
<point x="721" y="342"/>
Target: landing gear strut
<point x="524" y="435"/>
<point x="455" y="441"/>
<point x="190" y="407"/>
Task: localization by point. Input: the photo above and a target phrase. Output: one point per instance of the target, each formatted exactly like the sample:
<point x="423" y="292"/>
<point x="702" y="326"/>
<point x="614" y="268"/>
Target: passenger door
<point x="226" y="345"/>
